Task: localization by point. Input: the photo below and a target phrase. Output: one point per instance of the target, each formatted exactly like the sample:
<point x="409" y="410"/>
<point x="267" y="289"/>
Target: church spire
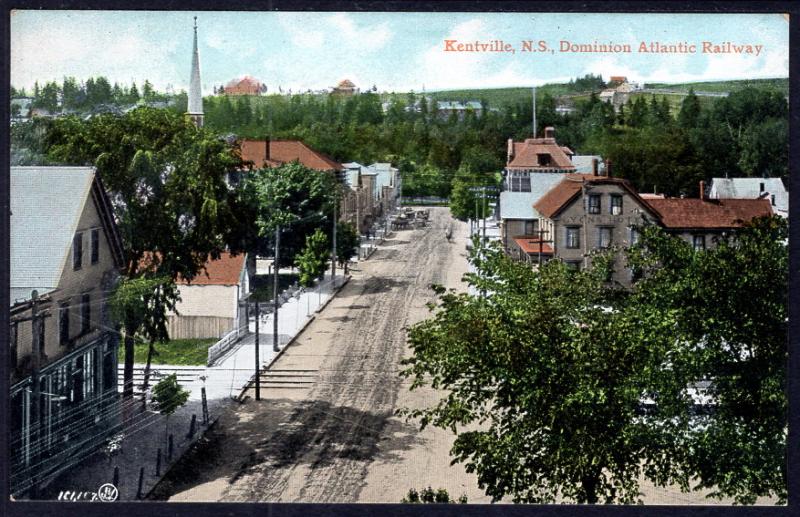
<point x="195" y="108"/>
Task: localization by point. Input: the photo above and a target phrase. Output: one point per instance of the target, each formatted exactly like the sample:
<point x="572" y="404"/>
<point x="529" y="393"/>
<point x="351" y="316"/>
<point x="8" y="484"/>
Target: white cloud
<point x="370" y="38"/>
<point x="54" y="50"/>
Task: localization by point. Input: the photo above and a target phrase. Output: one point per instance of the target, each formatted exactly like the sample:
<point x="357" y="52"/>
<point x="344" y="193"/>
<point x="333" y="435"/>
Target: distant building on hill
<point x="244" y="86"/>
<point x="345" y="88"/>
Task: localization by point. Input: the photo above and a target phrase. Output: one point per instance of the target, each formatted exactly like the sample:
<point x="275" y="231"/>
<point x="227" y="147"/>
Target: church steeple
<point x="195" y="108"/>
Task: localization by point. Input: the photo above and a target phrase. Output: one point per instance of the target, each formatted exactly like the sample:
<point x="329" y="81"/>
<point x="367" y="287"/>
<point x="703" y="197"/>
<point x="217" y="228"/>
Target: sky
<point x="393" y="51"/>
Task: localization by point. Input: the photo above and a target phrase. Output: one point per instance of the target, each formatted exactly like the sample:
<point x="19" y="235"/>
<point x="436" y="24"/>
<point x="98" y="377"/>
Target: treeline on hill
<point x="70" y="95"/>
<point x="658" y="146"/>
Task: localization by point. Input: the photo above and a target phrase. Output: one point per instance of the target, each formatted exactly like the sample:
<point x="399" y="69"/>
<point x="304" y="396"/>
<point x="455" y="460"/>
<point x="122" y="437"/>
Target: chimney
<point x="550" y="132"/>
<point x="266" y="150"/>
<point x="594" y="167"/>
<point x="510" y="150"/>
<point x="702" y="189"/>
<point x="608" y="168"/>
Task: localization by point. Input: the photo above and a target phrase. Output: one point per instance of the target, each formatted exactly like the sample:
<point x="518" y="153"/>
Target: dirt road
<point x="324" y="430"/>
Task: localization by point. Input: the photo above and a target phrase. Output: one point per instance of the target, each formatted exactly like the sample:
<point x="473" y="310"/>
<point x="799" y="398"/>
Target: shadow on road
<point x="314" y="432"/>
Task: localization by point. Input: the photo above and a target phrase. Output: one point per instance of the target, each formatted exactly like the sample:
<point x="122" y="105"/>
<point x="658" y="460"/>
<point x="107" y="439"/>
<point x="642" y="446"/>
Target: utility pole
<point x="333" y="254"/>
<point x="275" y="290"/>
<point x="258" y="361"/>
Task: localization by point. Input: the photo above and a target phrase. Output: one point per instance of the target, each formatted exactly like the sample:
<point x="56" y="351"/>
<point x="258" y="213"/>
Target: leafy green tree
<point x="729" y="307"/>
<point x="562" y="400"/>
<point x="148" y="92"/>
<point x="166" y="180"/>
<point x="428" y="495"/>
<point x="291" y="195"/>
<point x="313" y="260"/>
<point x="765" y="149"/>
<point x="169" y="396"/>
<point x="347" y="243"/>
<point x="557" y="398"/>
<point x="142" y="303"/>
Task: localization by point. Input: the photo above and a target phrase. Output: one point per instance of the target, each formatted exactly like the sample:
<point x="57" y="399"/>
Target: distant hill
<point x="499" y="96"/>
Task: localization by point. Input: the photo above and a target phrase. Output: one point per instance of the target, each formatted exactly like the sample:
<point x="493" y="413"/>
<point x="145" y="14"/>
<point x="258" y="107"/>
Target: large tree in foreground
<point x="560" y="387"/>
<point x="166" y="180"/>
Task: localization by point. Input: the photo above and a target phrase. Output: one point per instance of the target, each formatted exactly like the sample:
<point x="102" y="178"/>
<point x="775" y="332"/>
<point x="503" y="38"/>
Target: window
<point x="616" y="205"/>
<point x="108" y="371"/>
<point x="573" y="237"/>
<point x="76" y="390"/>
<point x="634" y="236"/>
<point x="761" y="187"/>
<point x="63" y="323"/>
<point x="77" y="251"/>
<point x="594" y="204"/>
<point x="89" y="377"/>
<point x="531" y="227"/>
<point x="604" y="237"/>
<point x="86" y="313"/>
<point x="42" y="329"/>
<point x="574" y="265"/>
<point x="699" y="242"/>
<point x="12" y="342"/>
<point x="95" y="246"/>
<point x="543" y="159"/>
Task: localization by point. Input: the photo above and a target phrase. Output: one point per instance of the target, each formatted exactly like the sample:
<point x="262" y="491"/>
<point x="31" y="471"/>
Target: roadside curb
<point x="249" y="384"/>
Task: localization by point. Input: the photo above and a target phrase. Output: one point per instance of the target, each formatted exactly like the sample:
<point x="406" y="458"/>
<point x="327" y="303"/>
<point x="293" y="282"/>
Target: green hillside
<point x="781" y="85"/>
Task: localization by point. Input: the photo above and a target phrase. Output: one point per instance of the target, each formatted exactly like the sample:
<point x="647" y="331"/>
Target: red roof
<point x="531" y="245"/>
<point x="286" y="151"/>
<point x="223" y="271"/>
<point x="692" y="213"/>
<point x="245" y="85"/>
<point x="558" y="197"/>
<point x="526" y="155"/>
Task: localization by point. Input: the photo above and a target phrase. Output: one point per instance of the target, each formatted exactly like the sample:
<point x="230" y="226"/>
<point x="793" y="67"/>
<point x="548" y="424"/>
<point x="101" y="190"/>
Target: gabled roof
<point x="286" y="151"/>
<point x="750" y="188"/>
<point x="560" y="196"/>
<point x="693" y="213"/>
<point x="525" y="155"/>
<point x="46" y="206"/>
<point x="226" y="270"/>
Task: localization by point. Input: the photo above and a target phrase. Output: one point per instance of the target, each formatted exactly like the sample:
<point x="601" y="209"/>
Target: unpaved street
<point x="324" y="430"/>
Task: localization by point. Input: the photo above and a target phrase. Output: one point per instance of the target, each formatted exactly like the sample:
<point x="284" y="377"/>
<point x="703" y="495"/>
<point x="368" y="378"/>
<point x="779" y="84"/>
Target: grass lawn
<point x="185" y="352"/>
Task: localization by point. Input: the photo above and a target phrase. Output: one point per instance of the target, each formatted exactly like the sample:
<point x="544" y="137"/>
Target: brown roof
<point x="558" y="197"/>
<point x="710" y="214"/>
<point x="286" y="151"/>
<point x="346" y="83"/>
<point x="223" y="271"/>
<point x="531" y="245"/>
<point x="525" y="155"/>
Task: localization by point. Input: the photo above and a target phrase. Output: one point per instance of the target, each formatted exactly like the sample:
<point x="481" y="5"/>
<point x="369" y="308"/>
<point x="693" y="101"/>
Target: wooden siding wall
<point x="190" y="327"/>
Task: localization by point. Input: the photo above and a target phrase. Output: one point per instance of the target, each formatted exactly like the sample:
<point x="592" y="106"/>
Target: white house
<point x="772" y="189"/>
<point x="210" y="304"/>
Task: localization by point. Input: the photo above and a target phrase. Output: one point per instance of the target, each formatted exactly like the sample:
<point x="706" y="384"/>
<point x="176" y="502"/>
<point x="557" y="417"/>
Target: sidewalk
<point x="146" y="432"/>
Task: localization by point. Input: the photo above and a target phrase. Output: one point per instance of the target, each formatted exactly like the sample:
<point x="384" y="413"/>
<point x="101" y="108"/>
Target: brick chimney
<point x="702" y="189"/>
<point x="510" y="150"/>
<point x="550" y="132"/>
<point x="594" y="167"/>
<point x="608" y="168"/>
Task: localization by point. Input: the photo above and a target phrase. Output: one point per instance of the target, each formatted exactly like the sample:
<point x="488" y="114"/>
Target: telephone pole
<point x="275" y="290"/>
<point x="258" y="361"/>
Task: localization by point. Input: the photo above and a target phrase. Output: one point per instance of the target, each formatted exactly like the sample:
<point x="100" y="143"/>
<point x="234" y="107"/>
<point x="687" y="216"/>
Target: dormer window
<point x="543" y="159"/>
